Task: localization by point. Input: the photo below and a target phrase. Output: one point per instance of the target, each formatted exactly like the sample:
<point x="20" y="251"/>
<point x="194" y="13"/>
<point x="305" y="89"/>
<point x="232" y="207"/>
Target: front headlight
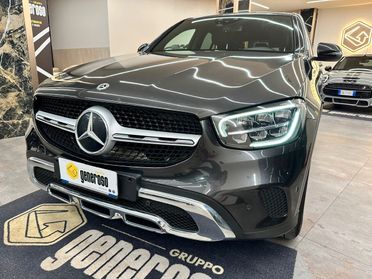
<point x="262" y="126"/>
<point x="324" y="78"/>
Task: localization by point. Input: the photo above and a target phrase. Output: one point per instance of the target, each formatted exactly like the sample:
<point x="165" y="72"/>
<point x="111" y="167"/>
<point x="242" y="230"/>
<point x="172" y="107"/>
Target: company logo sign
<point x="357" y="36"/>
<point x="45" y="224"/>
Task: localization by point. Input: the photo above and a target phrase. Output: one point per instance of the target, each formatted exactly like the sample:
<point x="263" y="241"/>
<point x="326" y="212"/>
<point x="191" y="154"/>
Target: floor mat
<point x="348" y="112"/>
<point x="43" y="238"/>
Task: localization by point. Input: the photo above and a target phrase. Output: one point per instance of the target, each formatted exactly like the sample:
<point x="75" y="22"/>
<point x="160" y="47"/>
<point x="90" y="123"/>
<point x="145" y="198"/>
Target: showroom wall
<point x="79" y="31"/>
<point x="146" y="19"/>
<point x="332" y="22"/>
<point x="15" y="77"/>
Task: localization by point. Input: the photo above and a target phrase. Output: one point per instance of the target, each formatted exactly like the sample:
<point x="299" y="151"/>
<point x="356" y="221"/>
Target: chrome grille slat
<point x="57" y="121"/>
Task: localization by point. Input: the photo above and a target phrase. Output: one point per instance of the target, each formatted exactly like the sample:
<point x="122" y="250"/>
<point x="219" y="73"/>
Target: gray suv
<point x="206" y="133"/>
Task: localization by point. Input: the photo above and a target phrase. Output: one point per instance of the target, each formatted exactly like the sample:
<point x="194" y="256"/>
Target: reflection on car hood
<point x="202" y="84"/>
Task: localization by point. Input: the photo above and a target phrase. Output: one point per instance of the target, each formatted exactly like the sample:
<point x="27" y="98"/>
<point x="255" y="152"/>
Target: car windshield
<point x="268" y="33"/>
<point x="362" y="63"/>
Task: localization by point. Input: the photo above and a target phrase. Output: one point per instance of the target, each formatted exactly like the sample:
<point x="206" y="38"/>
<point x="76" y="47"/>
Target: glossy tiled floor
<point x="336" y="240"/>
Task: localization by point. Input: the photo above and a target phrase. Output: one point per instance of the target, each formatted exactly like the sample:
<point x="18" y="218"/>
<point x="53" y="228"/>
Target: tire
<point x="292" y="234"/>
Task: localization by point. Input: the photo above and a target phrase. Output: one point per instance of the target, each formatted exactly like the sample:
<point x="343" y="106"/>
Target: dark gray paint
<point x="203" y="85"/>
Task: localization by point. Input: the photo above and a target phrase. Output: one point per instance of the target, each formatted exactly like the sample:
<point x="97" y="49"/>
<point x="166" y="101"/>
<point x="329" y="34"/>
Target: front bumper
<point x="361" y="97"/>
<point x="211" y="226"/>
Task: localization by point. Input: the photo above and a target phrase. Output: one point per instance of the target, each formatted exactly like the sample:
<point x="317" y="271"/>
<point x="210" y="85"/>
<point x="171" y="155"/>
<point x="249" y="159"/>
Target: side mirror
<point x="328" y="52"/>
<point x="328" y="68"/>
<point x="142" y="48"/>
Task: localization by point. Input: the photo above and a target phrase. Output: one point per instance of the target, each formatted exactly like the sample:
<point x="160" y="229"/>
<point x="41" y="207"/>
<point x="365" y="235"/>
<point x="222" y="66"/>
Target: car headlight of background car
<point x="324" y="78"/>
<point x="262" y="126"/>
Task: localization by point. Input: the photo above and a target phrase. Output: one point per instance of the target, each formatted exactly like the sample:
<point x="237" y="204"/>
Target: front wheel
<point x="292" y="234"/>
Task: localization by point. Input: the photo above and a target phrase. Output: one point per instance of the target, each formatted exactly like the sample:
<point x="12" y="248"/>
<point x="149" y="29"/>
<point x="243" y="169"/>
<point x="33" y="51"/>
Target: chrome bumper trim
<point x="200" y="212"/>
<point x="115" y="211"/>
<point x="211" y="225"/>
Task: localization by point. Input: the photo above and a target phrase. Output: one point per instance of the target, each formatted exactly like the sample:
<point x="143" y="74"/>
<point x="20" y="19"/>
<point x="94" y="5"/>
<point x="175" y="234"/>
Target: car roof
<point x="245" y="14"/>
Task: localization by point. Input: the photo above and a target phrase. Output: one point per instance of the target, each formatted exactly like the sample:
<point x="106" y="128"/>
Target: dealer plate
<point x="88" y="177"/>
<point x="346" y="92"/>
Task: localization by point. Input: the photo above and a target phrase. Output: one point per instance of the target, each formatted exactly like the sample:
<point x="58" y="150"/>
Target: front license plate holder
<point x="347" y="93"/>
<point x="94" y="179"/>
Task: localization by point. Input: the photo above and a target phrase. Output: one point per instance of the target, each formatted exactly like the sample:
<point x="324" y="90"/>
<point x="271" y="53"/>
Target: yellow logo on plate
<point x="72" y="170"/>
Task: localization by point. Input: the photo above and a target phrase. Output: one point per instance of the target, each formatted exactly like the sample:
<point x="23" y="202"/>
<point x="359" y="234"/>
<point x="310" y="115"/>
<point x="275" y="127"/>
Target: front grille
<point x="125" y="115"/>
<point x="349" y="86"/>
<point x="174" y="216"/>
<point x="274" y="201"/>
<point x="361" y="91"/>
<point x="125" y="153"/>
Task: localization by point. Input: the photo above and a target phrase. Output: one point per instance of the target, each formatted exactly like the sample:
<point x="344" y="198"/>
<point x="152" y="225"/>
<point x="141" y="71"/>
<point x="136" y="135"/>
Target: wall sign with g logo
<point x="357" y="36"/>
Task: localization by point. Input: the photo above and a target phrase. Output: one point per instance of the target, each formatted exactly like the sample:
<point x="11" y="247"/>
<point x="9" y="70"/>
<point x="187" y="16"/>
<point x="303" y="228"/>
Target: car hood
<point x="201" y="84"/>
<point x="359" y="77"/>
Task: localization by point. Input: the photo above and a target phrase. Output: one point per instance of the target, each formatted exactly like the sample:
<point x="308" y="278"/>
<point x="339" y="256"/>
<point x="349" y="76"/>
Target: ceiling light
<point x="260" y="5"/>
<point x="318" y="1"/>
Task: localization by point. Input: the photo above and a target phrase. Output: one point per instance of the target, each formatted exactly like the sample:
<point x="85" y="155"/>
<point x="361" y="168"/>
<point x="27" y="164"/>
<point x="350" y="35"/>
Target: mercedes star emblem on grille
<point x="103" y="86"/>
<point x="92" y="131"/>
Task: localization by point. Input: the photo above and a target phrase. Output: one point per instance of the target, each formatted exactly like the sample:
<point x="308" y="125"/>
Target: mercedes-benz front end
<point x="207" y="133"/>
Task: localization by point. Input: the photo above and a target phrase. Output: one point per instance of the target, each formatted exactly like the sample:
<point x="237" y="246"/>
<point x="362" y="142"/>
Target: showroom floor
<point x="336" y="239"/>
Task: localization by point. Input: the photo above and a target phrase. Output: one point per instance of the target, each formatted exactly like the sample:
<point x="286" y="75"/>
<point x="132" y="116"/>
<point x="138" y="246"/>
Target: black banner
<point x="41" y="38"/>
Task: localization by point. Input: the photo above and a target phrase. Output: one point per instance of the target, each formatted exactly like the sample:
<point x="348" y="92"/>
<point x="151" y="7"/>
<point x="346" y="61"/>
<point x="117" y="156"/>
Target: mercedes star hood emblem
<point x="103" y="86"/>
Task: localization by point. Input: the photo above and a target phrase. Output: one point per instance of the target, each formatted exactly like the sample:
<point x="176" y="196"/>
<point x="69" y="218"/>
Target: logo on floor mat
<point x="45" y="224"/>
<point x="104" y="256"/>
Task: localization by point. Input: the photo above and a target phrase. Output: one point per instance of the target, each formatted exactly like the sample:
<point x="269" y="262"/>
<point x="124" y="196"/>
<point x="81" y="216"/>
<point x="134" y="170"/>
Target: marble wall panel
<point x="15" y="78"/>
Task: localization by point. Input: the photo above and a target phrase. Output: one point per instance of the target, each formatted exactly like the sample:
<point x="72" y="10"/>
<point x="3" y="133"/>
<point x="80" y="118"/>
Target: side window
<point x="207" y="42"/>
<point x="300" y="36"/>
<point x="181" y="41"/>
<point x="300" y="41"/>
<point x="304" y="37"/>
